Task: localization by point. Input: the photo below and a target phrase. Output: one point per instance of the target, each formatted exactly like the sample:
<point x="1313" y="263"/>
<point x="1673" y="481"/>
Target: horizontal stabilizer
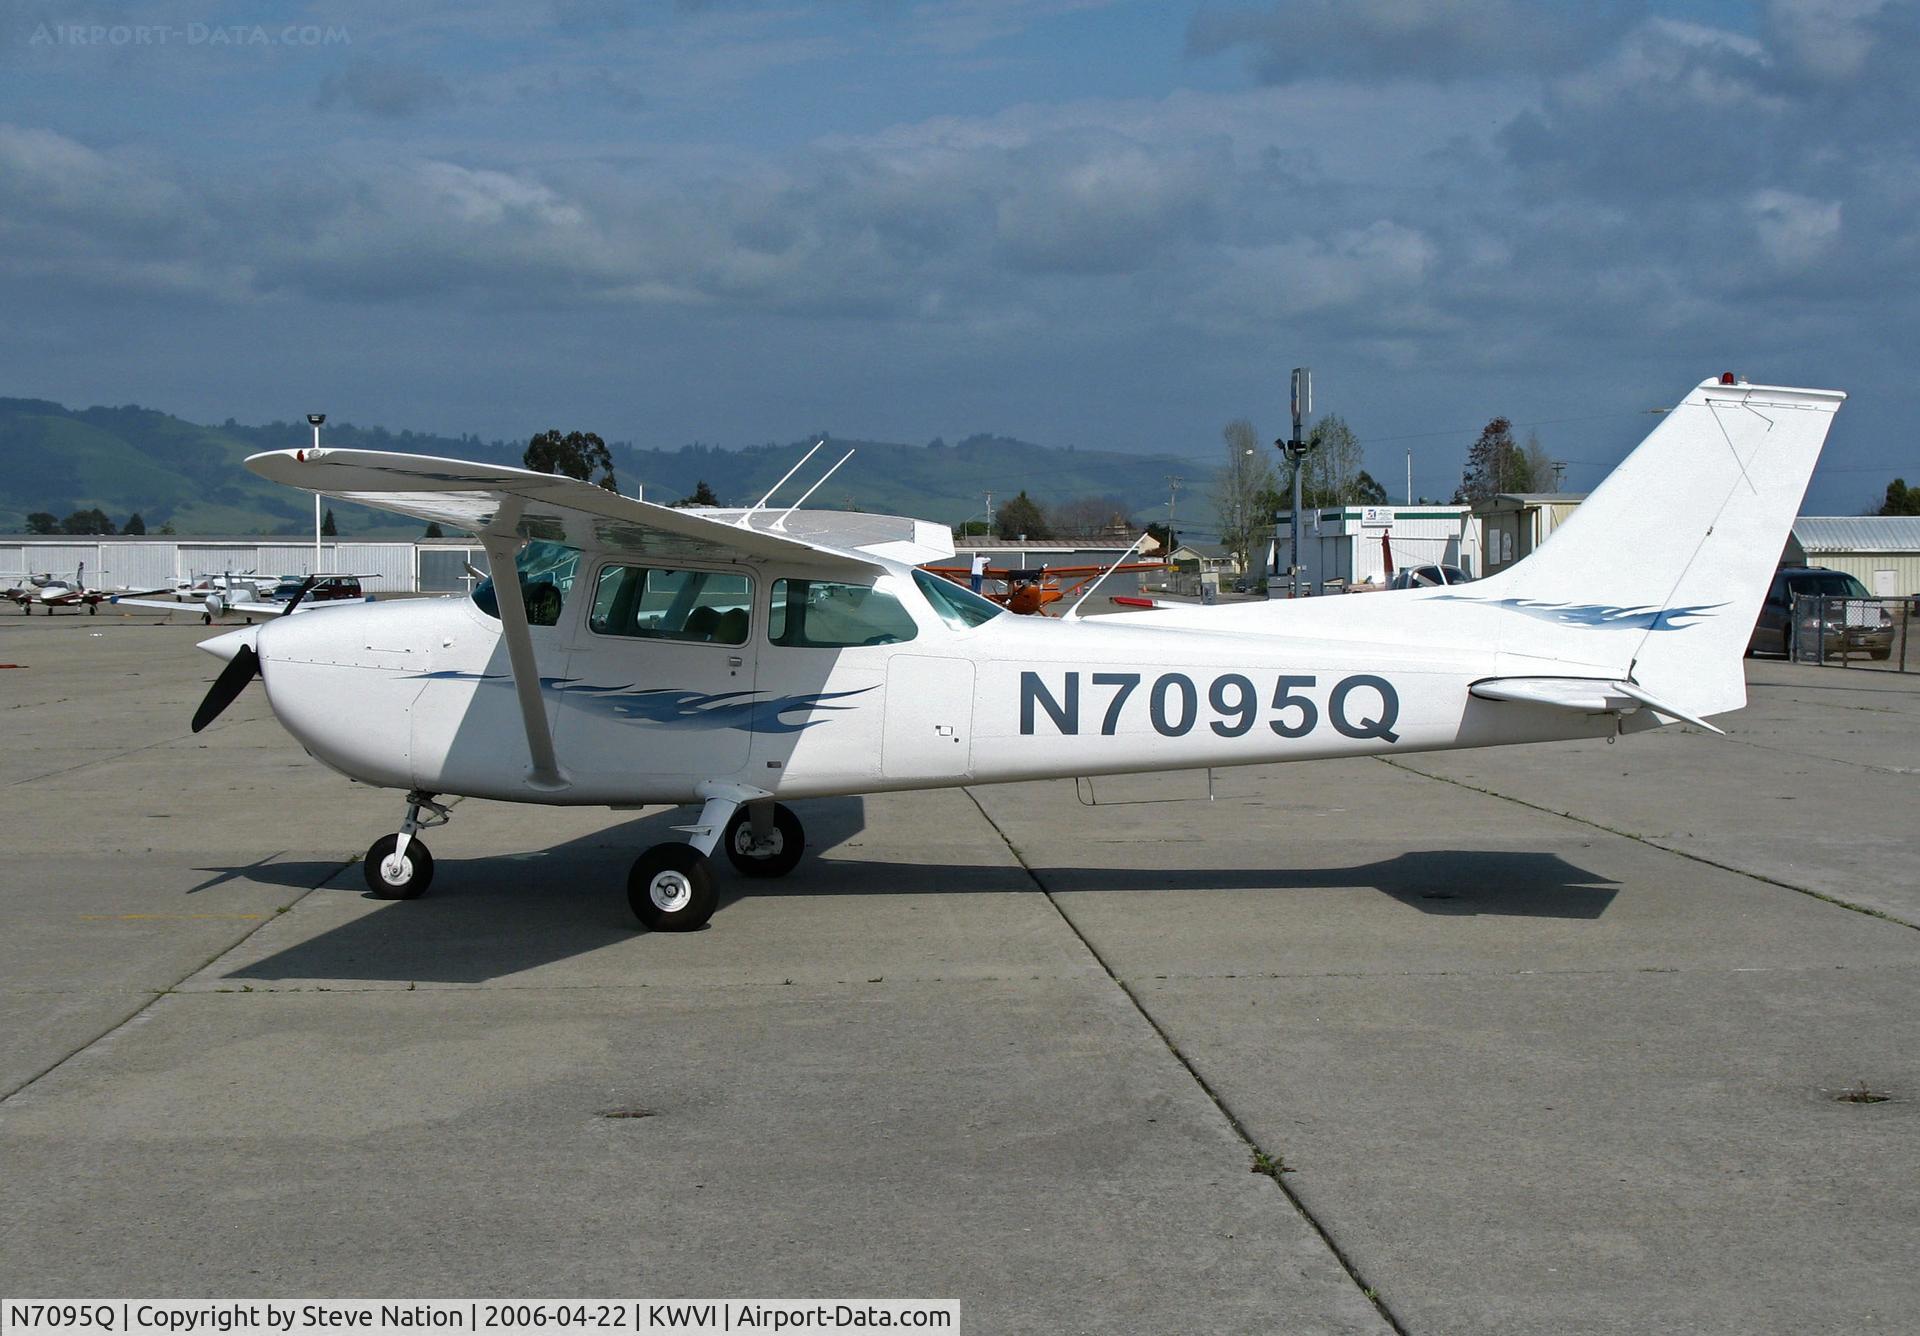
<point x="1582" y="695"/>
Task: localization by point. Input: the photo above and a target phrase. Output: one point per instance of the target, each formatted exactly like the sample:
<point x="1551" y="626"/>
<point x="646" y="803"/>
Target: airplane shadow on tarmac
<point x="500" y="914"/>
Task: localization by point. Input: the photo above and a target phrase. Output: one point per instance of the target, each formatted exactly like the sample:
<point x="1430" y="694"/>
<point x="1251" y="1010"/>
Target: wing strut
<point x="503" y="545"/>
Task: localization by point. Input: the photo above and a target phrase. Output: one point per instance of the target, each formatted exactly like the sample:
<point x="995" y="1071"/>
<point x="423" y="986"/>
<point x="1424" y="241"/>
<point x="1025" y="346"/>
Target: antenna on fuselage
<point x="742" y="521"/>
<point x="782" y="521"/>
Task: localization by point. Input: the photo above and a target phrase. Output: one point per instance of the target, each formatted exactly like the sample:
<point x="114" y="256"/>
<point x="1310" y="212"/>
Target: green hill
<point x="132" y="459"/>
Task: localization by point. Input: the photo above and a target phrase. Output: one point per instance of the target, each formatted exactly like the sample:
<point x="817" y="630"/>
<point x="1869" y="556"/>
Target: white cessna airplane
<point x="646" y="655"/>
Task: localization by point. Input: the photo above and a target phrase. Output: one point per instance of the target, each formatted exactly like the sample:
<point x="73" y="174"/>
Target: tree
<point x="327" y="527"/>
<point x="42" y="521"/>
<point x="1163" y="538"/>
<point x="972" y="529"/>
<point x="702" y="496"/>
<point x="1367" y="492"/>
<point x="134" y="524"/>
<point x="1244" y="492"/>
<point x="1494" y="465"/>
<point x="575" y="455"/>
<point x="1090" y="515"/>
<point x="93" y="521"/>
<point x="1539" y="473"/>
<point x="433" y="530"/>
<point x="1331" y="469"/>
<point x="167" y="528"/>
<point x="1022" y="517"/>
<point x="1901" y="499"/>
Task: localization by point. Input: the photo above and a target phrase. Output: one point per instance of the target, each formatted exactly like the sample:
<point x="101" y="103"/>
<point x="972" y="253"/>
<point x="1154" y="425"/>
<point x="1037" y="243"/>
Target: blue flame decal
<point x="1599" y="616"/>
<point x="666" y="708"/>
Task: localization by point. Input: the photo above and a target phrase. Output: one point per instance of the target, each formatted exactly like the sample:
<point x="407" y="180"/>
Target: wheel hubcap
<point x="744" y="845"/>
<point x="396" y="871"/>
<point x="670" y="891"/>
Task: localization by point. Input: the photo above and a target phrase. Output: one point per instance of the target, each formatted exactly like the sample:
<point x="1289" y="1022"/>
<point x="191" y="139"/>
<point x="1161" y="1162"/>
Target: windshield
<point x="958" y="606"/>
<point x="546" y="578"/>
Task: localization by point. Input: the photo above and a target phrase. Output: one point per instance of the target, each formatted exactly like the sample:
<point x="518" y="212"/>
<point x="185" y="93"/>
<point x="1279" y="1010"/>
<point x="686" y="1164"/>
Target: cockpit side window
<point x="546" y="572"/>
<point x="824" y="614"/>
<point x="658" y="603"/>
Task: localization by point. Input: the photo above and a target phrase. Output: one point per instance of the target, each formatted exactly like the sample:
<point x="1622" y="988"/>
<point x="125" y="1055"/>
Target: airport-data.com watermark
<point x="236" y="36"/>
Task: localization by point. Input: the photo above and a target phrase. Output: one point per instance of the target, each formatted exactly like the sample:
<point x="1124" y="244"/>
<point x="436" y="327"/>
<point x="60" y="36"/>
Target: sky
<point x="1079" y="222"/>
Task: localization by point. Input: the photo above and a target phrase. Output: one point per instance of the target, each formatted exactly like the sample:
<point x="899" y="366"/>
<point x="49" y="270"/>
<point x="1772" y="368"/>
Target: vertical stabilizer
<point x="1661" y="571"/>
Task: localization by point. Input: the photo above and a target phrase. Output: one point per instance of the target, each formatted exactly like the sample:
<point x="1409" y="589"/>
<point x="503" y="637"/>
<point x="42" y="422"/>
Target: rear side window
<point x="658" y="603"/>
<point x="823" y="614"/>
<point x="1829" y="584"/>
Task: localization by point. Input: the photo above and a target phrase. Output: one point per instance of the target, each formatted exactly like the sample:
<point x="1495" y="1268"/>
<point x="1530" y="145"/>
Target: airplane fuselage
<point x="418" y="695"/>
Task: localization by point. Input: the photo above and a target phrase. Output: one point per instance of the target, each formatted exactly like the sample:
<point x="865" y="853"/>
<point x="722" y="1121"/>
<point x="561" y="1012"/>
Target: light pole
<point x="1295" y="450"/>
<point x="314" y="420"/>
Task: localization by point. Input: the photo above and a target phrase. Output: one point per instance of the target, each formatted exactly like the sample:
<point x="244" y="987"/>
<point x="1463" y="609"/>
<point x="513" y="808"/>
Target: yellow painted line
<point x="122" y="918"/>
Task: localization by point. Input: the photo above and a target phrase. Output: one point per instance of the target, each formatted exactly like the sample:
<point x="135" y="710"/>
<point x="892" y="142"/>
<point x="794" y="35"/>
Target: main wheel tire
<point x="671" y="888"/>
<point x="789" y="842"/>
<point x="409" y="880"/>
<point x="93" y="609"/>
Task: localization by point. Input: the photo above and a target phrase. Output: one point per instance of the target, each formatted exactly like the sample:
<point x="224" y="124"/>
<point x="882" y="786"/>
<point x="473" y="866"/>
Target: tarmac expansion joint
<point x="1264" y="1162"/>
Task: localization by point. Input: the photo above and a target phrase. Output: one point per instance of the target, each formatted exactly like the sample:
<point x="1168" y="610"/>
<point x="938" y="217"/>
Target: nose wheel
<point x="398" y="867"/>
<point x="394" y="874"/>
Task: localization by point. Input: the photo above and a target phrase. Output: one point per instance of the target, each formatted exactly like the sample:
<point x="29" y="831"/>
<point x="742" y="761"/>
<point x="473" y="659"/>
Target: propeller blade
<point x="299" y="594"/>
<point x="241" y="669"/>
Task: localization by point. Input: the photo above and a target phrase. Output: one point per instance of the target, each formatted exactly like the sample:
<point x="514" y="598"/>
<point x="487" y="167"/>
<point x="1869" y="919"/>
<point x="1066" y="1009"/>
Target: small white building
<point x="1881" y="551"/>
<point x="1347" y="546"/>
<point x="1513" y="524"/>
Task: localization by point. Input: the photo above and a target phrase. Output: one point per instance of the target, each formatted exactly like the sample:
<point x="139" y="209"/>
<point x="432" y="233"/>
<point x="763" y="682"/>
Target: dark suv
<point x="1844" y="627"/>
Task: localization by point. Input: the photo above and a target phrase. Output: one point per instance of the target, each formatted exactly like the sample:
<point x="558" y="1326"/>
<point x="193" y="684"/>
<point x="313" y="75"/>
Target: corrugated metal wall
<point x="1886" y="573"/>
<point x="156" y="563"/>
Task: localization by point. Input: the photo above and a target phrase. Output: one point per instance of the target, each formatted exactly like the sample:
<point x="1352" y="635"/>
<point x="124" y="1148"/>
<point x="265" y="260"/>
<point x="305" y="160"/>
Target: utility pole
<point x="989" y="514"/>
<point x="1409" y="477"/>
<point x="1296" y="452"/>
<point x="1173" y="490"/>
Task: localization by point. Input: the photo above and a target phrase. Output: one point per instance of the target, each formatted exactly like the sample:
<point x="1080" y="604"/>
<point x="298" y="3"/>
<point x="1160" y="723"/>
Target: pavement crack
<point x="1240" y="1129"/>
<point x="168" y="990"/>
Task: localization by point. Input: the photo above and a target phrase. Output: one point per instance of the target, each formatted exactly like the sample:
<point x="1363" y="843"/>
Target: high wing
<point x="504" y="507"/>
<point x="485" y="498"/>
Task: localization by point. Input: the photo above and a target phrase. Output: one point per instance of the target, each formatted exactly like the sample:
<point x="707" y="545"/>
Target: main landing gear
<point x="398" y="867"/>
<point x="671" y="887"/>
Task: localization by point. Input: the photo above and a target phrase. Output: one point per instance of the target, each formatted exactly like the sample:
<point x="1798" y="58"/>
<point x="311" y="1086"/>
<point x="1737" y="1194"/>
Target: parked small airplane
<point x="47" y="591"/>
<point x="641" y="655"/>
<point x="227" y="594"/>
<point x="1028" y="591"/>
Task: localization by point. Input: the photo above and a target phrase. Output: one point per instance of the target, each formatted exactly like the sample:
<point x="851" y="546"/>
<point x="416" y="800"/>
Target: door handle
<point x="734" y="661"/>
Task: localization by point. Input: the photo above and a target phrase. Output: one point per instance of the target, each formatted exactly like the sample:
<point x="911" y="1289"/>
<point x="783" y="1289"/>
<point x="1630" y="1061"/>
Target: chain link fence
<point x="1854" y="632"/>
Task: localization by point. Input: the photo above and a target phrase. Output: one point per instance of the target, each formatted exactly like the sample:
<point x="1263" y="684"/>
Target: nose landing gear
<point x="398" y="867"/>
